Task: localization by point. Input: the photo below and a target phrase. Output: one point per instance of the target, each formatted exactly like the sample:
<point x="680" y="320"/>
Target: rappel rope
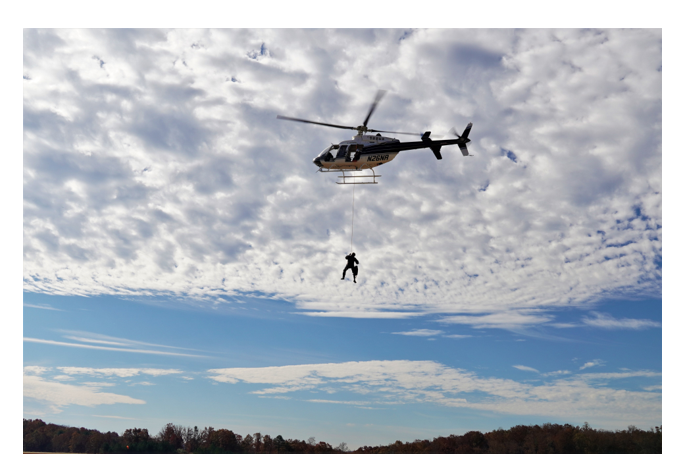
<point x="352" y="236"/>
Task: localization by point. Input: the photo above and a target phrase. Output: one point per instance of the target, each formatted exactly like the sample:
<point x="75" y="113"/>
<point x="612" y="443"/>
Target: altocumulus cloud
<point x="153" y="162"/>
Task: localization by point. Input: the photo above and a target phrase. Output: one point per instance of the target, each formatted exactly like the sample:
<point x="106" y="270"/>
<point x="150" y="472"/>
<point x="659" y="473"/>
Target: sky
<point x="182" y="257"/>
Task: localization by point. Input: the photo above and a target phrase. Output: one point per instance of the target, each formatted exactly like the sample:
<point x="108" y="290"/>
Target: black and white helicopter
<point x="365" y="152"/>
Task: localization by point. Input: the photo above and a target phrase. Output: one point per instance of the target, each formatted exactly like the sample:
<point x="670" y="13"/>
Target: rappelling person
<point x="351" y="261"/>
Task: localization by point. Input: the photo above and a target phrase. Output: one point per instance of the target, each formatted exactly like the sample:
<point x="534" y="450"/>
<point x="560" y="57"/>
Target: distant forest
<point x="544" y="439"/>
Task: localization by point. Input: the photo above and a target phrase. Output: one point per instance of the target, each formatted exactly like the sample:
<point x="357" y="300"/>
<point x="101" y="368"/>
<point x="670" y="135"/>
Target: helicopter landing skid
<point x="353" y="179"/>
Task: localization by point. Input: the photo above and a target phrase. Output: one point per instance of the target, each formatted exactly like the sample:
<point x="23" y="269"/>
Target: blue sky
<point x="181" y="256"/>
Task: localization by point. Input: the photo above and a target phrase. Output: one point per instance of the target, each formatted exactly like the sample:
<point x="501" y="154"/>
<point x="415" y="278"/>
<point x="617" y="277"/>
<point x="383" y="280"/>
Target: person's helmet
<point x="353" y="254"/>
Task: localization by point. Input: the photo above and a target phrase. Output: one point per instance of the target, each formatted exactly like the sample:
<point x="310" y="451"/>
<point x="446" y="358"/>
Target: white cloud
<point x="505" y="320"/>
<point x="119" y="372"/>
<point x="98" y="338"/>
<point x="656" y="387"/>
<point x="526" y="368"/>
<point x="560" y="372"/>
<point x="629" y="374"/>
<point x="422" y="332"/>
<point x="457" y="336"/>
<point x="36" y="369"/>
<point x="604" y="320"/>
<point x="370" y="314"/>
<point x="98" y="342"/>
<point x="164" y="169"/>
<point x="383" y="382"/>
<point x="592" y="363"/>
<point x="106" y="348"/>
<point x="43" y="307"/>
<point x="60" y="394"/>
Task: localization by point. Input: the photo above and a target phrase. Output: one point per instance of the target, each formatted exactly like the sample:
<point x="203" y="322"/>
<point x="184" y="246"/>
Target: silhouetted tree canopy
<point x="544" y="439"/>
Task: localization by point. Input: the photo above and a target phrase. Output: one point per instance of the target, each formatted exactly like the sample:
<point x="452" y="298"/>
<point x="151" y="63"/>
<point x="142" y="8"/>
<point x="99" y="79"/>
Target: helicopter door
<point x="342" y="152"/>
<point x="352" y="155"/>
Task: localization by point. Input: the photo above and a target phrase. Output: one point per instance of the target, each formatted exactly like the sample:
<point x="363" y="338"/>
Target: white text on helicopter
<point x="378" y="158"/>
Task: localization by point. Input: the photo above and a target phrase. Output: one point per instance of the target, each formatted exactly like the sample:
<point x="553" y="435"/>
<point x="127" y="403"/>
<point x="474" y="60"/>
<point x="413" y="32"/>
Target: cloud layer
<point x="603" y="320"/>
<point x="95" y="341"/>
<point x="55" y="388"/>
<point x="403" y="382"/>
<point x="59" y="394"/>
<point x="153" y="162"/>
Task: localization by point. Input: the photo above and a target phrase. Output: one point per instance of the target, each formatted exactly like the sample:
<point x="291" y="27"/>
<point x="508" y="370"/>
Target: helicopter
<point x="366" y="151"/>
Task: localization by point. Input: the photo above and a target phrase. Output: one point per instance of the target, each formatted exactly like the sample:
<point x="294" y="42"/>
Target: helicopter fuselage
<point x="356" y="154"/>
<point x="369" y="151"/>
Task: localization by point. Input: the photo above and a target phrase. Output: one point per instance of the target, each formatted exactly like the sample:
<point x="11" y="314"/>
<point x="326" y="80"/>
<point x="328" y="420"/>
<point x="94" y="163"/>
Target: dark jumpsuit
<point x="351" y="260"/>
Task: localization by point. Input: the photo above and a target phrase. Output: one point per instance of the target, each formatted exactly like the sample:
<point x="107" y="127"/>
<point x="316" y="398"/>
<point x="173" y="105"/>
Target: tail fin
<point x="464" y="150"/>
<point x="467" y="130"/>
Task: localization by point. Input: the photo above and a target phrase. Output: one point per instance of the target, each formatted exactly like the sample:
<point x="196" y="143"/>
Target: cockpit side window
<point x="341" y="152"/>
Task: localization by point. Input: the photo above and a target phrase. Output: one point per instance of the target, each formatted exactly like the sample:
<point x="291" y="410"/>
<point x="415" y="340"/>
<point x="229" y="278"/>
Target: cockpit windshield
<point x="326" y="153"/>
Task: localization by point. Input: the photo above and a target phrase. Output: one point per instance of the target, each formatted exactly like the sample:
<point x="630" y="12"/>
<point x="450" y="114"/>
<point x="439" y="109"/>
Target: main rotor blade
<point x="379" y="96"/>
<point x="317" y="123"/>
<point x="391" y="132"/>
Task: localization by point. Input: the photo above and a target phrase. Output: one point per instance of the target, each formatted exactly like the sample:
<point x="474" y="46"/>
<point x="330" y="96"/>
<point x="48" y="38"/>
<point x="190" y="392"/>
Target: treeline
<point x="545" y="439"/>
<point x="42" y="437"/>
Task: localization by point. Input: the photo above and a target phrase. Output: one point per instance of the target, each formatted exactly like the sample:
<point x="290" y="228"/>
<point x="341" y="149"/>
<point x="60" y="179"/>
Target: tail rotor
<point x="463" y="139"/>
